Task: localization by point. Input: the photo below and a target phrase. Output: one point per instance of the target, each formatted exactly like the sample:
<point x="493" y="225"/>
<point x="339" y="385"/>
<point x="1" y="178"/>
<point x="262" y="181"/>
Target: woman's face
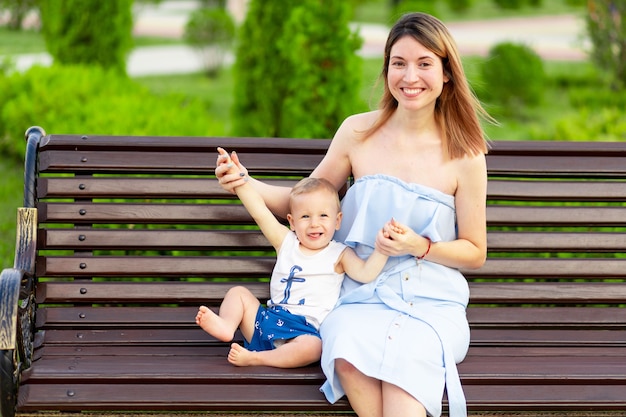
<point x="415" y="75"/>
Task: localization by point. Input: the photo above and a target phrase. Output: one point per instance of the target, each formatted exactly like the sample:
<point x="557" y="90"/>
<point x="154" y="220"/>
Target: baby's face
<point x="314" y="217"/>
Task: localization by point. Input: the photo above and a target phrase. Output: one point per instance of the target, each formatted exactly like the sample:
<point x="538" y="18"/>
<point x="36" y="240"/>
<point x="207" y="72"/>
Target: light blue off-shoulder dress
<point x="408" y="327"/>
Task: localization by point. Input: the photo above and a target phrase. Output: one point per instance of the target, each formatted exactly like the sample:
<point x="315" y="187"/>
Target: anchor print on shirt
<point x="290" y="280"/>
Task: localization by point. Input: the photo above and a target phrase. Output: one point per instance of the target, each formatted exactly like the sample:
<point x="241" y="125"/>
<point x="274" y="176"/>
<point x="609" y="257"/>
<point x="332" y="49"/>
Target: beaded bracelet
<point x="419" y="258"/>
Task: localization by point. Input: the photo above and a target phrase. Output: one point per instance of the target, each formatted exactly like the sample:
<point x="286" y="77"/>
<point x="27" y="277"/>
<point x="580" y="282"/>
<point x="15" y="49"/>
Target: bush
<point x="297" y="73"/>
<point x="326" y="72"/>
<point x="513" y="76"/>
<point x="88" y="32"/>
<point x="259" y="71"/>
<point x="591" y="124"/>
<point x="211" y="31"/>
<point x="92" y="100"/>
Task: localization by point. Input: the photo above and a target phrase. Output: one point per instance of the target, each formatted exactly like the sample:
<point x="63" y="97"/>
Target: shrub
<point x="591" y="124"/>
<point x="92" y="100"/>
<point x="88" y="32"/>
<point x="326" y="72"/>
<point x="513" y="76"/>
<point x="211" y="31"/>
<point x="297" y="72"/>
<point x="259" y="71"/>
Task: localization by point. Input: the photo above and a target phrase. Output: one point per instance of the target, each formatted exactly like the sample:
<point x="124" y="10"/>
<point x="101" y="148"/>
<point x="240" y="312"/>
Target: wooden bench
<point x="121" y="238"/>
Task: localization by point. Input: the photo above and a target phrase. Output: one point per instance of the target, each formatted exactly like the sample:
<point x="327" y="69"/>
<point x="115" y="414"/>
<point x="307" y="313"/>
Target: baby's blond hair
<point x="309" y="185"/>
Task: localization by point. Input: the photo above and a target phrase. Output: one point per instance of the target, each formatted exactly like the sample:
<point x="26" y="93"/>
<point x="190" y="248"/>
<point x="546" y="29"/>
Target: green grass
<point x="10" y="198"/>
<point x="216" y="92"/>
<point x="31" y="41"/>
<point x="23" y="42"/>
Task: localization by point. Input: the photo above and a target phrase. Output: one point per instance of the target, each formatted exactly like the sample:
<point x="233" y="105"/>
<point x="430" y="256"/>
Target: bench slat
<point x="148" y="239"/>
<point x="88" y="213"/>
<point x="188" y="163"/>
<point x="566" y="268"/>
<point x="154" y="266"/>
<point x="556" y="190"/>
<point x="236" y="214"/>
<point x="537" y="166"/>
<point x="555" y="216"/>
<point x="196" y="292"/>
<point x="134" y="292"/>
<point x="556" y="241"/>
<point x="186" y="144"/>
<point x="547" y="293"/>
<point x="216" y="397"/>
<point x="478" y="317"/>
<point x="190" y="397"/>
<point x="151" y="369"/>
<point x="481" y="337"/>
<point x="85" y="239"/>
<point x="131" y="187"/>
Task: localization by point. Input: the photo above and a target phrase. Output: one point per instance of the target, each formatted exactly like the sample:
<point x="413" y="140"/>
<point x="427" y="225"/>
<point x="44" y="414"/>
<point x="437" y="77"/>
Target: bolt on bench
<point x="121" y="238"/>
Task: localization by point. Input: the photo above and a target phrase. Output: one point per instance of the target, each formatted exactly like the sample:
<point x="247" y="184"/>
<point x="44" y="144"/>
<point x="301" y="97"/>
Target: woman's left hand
<point x="397" y="239"/>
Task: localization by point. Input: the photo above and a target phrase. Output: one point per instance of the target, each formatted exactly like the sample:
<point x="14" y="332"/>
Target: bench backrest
<point x="141" y="221"/>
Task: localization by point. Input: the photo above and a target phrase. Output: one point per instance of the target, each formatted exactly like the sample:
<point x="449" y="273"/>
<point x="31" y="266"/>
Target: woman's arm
<point x="469" y="250"/>
<point x="276" y="198"/>
<point x="335" y="167"/>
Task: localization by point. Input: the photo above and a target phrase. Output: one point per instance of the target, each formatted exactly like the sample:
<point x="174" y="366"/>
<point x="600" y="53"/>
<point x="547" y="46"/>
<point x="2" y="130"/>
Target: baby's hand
<point x="396" y="227"/>
<point x="224" y="159"/>
<point x="392" y="226"/>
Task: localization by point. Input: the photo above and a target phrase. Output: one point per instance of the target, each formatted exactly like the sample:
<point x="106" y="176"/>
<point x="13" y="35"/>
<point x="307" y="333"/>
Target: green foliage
<point x="407" y="6"/>
<point x="259" y="71"/>
<point x="296" y="72"/>
<point x="92" y="100"/>
<point x="606" y="26"/>
<point x="459" y="6"/>
<point x="509" y="4"/>
<point x="88" y="32"/>
<point x="323" y="86"/>
<point x="603" y="124"/>
<point x="513" y="76"/>
<point x="211" y="31"/>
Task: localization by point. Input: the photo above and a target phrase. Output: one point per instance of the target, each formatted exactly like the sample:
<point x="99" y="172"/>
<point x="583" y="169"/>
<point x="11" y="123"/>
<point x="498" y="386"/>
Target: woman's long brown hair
<point x="457" y="110"/>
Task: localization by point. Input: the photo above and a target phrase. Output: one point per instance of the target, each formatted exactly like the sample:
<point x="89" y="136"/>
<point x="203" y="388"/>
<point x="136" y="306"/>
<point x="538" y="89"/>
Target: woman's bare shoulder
<point x="360" y="121"/>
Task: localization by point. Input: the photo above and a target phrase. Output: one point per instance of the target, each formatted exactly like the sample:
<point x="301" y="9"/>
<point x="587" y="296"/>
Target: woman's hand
<point x="229" y="171"/>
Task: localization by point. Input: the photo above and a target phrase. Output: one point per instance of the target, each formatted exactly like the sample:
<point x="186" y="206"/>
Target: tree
<point x="296" y="72"/>
<point x="211" y="32"/>
<point x="606" y="24"/>
<point x="325" y="71"/>
<point x="88" y="31"/>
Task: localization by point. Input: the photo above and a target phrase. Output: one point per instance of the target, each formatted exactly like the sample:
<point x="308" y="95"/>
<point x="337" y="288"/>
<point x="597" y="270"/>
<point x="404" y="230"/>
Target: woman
<point x="391" y="346"/>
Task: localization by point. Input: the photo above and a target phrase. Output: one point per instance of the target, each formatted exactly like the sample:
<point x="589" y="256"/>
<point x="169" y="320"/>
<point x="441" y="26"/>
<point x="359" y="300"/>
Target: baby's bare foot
<point x="213" y="324"/>
<point x="240" y="356"/>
